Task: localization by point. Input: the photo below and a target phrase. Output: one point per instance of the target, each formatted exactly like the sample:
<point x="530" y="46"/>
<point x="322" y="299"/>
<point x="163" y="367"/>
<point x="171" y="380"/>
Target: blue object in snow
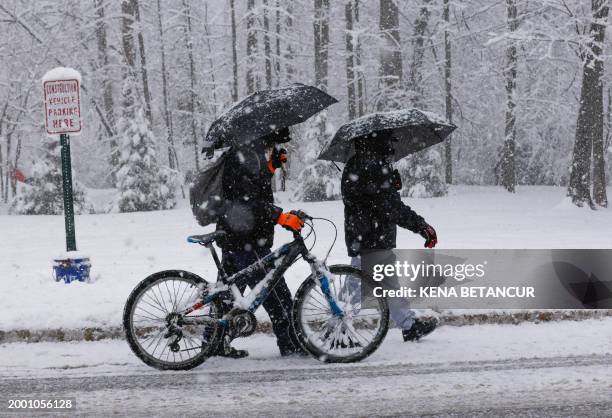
<point x="71" y="269"/>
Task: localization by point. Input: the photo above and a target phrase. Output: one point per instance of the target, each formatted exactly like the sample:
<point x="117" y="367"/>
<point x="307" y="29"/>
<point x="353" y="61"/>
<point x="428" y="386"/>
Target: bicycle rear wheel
<point x="332" y="339"/>
<point x="155" y="329"/>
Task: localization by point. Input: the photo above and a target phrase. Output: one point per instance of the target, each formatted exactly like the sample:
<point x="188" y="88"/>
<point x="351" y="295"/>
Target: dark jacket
<point x="372" y="206"/>
<point x="250" y="213"/>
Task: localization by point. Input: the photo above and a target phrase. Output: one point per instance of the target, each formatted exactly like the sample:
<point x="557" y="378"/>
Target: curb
<point x="451" y="319"/>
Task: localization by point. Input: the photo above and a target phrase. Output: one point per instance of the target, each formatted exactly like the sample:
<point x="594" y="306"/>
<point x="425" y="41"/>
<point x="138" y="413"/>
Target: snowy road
<point x="554" y="369"/>
<point x="539" y="386"/>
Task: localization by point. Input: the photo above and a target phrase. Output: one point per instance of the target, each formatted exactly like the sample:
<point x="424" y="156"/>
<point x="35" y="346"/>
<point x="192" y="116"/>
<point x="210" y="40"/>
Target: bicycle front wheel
<point x="339" y="339"/>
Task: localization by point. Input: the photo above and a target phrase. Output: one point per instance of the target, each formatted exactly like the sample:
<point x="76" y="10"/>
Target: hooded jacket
<point x="372" y="206"/>
<point x="250" y="214"/>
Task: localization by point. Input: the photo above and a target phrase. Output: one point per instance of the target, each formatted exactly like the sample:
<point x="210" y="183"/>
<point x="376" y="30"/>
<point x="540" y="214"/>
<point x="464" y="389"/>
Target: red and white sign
<point x="62" y="101"/>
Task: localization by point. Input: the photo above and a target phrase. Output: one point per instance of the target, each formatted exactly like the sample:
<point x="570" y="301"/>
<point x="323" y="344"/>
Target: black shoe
<point x="228" y="351"/>
<point x="232" y="352"/>
<point x="224" y="349"/>
<point x="419" y="329"/>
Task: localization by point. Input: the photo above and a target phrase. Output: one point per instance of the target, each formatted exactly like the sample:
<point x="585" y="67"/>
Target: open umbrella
<point x="265" y="111"/>
<point x="414" y="130"/>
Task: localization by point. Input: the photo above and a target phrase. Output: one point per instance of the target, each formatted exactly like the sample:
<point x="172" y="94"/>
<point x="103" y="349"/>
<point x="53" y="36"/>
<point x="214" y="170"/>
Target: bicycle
<point x="174" y="319"/>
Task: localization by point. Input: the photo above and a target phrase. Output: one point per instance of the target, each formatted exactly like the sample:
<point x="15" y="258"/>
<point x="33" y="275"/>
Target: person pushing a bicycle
<point x="249" y="220"/>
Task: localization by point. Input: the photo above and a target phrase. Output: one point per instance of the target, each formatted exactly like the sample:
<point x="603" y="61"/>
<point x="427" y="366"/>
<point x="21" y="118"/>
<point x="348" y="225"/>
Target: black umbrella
<point x="414" y="130"/>
<point x="265" y="111"/>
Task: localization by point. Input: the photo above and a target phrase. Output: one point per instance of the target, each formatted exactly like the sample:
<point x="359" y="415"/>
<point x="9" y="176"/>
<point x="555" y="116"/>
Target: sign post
<point x="61" y="88"/>
<point x="68" y="197"/>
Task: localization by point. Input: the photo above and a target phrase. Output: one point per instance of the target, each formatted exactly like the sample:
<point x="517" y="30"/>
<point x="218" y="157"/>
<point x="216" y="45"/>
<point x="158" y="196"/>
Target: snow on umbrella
<point x="264" y="111"/>
<point x="414" y="130"/>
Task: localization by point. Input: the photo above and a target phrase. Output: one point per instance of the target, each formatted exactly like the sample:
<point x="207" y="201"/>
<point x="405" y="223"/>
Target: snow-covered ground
<point x="559" y="369"/>
<point x="125" y="248"/>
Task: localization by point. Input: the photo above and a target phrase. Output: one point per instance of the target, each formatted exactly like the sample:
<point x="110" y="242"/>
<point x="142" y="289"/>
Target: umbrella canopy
<point x="414" y="130"/>
<point x="265" y="111"/>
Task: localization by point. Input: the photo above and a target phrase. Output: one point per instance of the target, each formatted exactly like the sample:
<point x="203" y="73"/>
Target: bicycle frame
<point x="275" y="265"/>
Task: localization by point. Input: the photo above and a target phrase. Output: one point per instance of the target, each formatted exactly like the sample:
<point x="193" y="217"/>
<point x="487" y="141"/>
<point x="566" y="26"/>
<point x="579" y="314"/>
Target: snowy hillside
<point x="125" y="248"/>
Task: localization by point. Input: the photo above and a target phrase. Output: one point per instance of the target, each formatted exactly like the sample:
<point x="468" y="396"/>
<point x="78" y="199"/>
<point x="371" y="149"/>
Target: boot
<point x="224" y="349"/>
<point x="419" y="329"/>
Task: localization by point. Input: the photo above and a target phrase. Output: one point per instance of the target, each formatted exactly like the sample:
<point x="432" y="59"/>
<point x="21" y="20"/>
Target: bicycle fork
<point x="322" y="276"/>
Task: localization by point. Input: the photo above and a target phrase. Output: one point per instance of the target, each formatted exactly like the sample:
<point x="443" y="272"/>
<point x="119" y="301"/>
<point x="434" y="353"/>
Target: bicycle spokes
<point x="335" y="333"/>
<point x="161" y="328"/>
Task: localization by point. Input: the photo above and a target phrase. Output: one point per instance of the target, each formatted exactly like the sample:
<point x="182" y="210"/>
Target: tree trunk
<point x="16" y="165"/>
<point x="589" y="126"/>
<point x="277" y="66"/>
<point x="360" y="93"/>
<point x="172" y="156"/>
<point x="350" y="60"/>
<point x="127" y="33"/>
<point x="599" y="143"/>
<point x="192" y="83"/>
<point x="390" y="57"/>
<point x="448" y="93"/>
<point x="415" y="81"/>
<point x="234" y="53"/>
<point x="107" y="88"/>
<point x="9" y="167"/>
<point x="289" y="69"/>
<point x="508" y="163"/>
<point x="143" y="66"/>
<point x="321" y="42"/>
<point x="215" y="102"/>
<point x="267" y="46"/>
<point x="1" y="166"/>
<point x="251" y="77"/>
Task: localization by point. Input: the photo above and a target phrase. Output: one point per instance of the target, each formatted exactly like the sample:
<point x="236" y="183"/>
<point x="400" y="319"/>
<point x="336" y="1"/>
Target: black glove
<point x="427" y="232"/>
<point x="278" y="157"/>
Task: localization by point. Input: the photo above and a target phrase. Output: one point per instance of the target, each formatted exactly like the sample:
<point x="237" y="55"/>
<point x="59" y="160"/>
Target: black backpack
<point x="206" y="193"/>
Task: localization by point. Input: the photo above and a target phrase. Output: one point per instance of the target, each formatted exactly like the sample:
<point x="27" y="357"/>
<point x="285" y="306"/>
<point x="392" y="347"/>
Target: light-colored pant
<point x="399" y="308"/>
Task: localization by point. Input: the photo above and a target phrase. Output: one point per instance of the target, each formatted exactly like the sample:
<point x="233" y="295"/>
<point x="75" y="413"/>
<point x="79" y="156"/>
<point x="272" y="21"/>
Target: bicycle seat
<point x="206" y="239"/>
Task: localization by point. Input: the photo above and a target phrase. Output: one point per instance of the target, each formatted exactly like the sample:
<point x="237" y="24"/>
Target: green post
<point x="68" y="202"/>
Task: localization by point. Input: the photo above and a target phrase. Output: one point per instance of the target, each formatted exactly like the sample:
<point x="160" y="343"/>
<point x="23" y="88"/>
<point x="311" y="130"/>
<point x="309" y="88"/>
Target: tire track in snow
<point x="178" y="380"/>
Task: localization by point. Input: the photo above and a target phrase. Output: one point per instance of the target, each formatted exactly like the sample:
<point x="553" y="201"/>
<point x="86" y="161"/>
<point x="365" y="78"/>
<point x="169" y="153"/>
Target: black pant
<point x="278" y="304"/>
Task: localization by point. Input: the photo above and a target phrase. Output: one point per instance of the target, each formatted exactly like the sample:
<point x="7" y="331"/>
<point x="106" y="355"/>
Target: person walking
<point x="248" y="220"/>
<point x="372" y="211"/>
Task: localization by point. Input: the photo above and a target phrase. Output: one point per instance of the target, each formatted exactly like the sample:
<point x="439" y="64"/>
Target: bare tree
<point x="360" y="91"/>
<point x="143" y="65"/>
<point x="107" y="87"/>
<point x="349" y="15"/>
<point x="127" y="33"/>
<point x="234" y="52"/>
<point x="415" y="79"/>
<point x="172" y="156"/>
<point x="589" y="126"/>
<point x="277" y="58"/>
<point x="289" y="51"/>
<point x="251" y="77"/>
<point x="421" y="173"/>
<point x="192" y="82"/>
<point x="321" y="42"/>
<point x="267" y="46"/>
<point x="599" y="143"/>
<point x="448" y="153"/>
<point x="507" y="163"/>
<point x="391" y="68"/>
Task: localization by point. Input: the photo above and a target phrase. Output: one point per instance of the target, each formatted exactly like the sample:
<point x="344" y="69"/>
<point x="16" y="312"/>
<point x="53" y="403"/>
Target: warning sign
<point x="62" y="106"/>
